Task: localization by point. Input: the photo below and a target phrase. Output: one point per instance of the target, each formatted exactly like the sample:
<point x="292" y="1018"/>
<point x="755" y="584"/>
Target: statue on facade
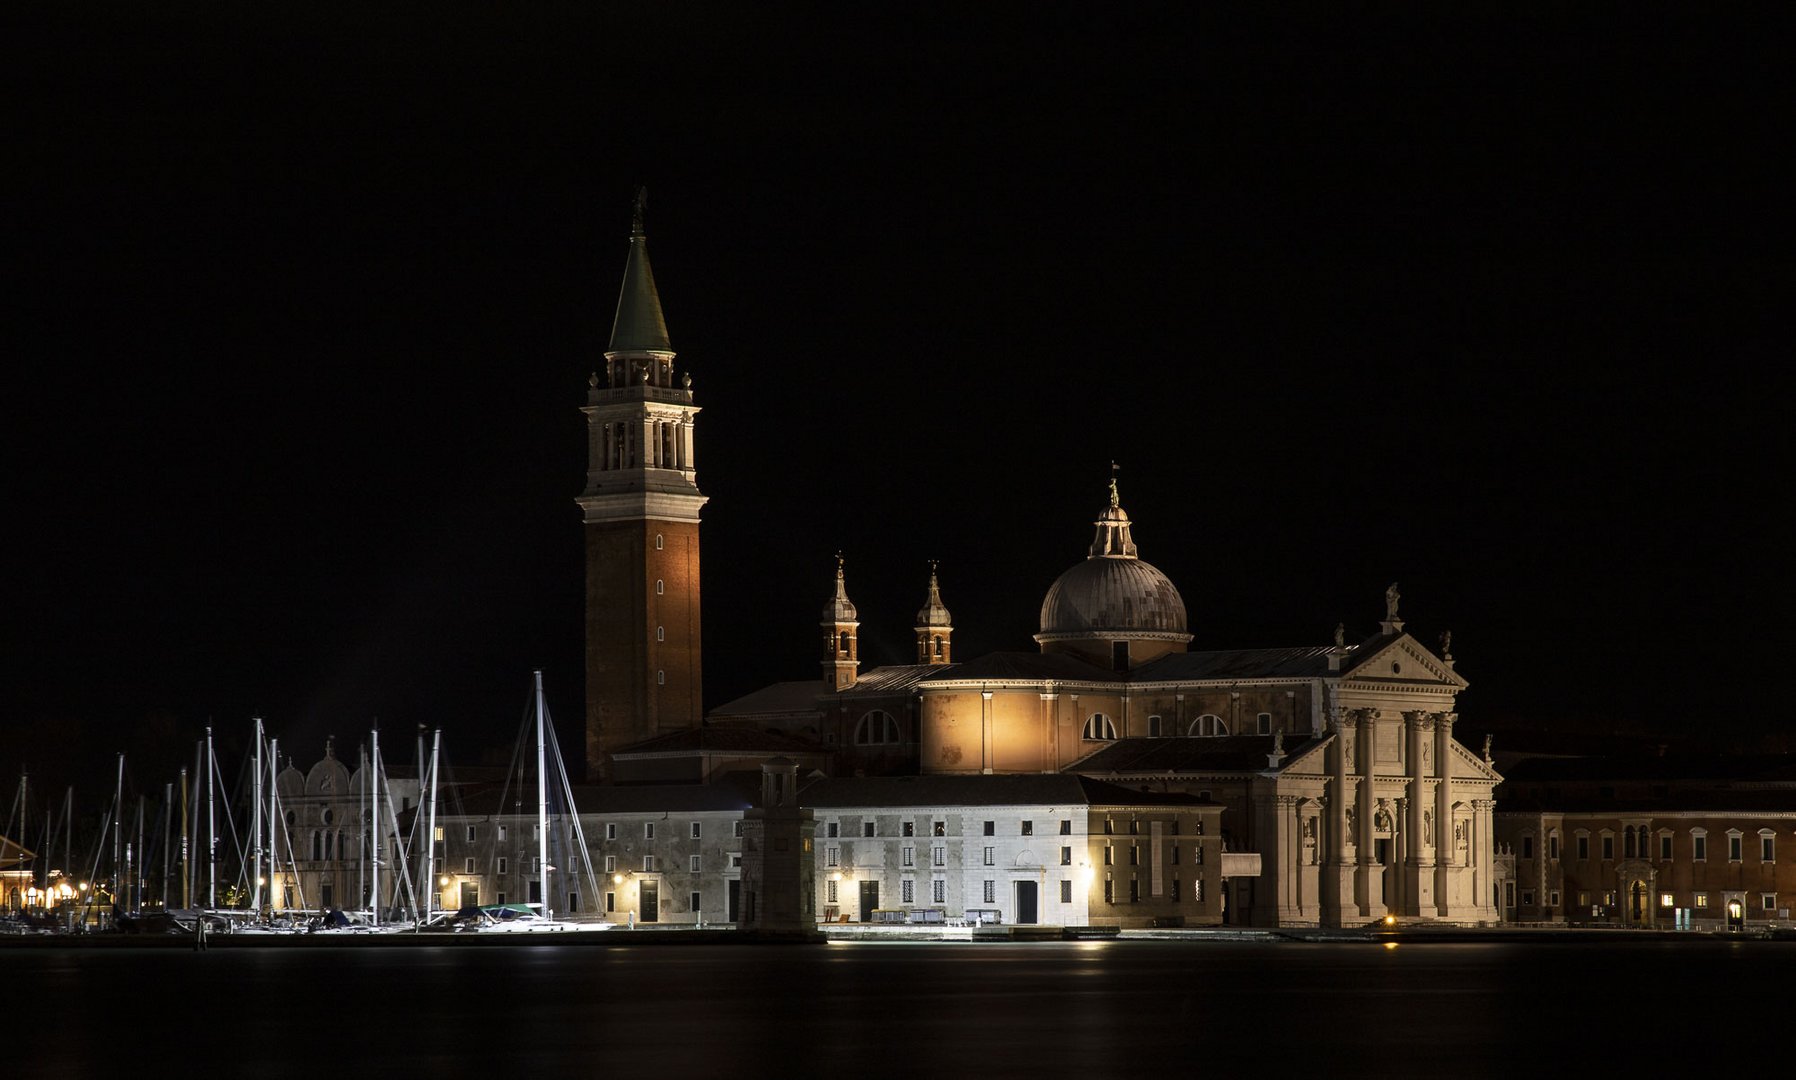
<point x="1278" y="741"/>
<point x="1381" y="821"/>
<point x="1391" y="596"/>
<point x="1340" y="635"/>
<point x="1427" y="826"/>
<point x="1487" y="748"/>
<point x="1352" y="826"/>
<point x="1446" y="644"/>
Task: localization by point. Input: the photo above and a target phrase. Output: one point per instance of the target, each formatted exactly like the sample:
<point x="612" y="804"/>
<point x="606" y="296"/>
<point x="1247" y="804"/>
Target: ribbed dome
<point x="1112" y="596"/>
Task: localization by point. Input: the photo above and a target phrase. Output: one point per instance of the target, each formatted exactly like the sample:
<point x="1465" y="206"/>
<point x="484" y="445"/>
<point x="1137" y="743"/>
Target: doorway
<point x="735" y="900"/>
<point x="651" y="901"/>
<point x="470" y="894"/>
<point x="1025" y="902"/>
<point x="869" y="899"/>
<point x="1637" y="901"/>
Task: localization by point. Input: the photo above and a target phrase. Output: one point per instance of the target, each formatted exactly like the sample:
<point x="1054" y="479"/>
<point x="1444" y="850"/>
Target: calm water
<point x="912" y="1010"/>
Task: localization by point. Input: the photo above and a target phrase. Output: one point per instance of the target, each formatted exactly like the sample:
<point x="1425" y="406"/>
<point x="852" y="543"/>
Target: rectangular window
<point x="648" y="830"/>
<point x="501" y="864"/>
<point x="467" y="866"/>
<point x="1028" y="828"/>
<point x="908" y="889"/>
<point x="1176" y="891"/>
<point x="1066" y="828"/>
<point x="697" y="831"/>
<point x="470" y="836"/>
<point x="1768" y="901"/>
<point x="736" y="829"/>
<point x="573" y="903"/>
<point x="1700" y="900"/>
<point x="611" y="830"/>
<point x="1665" y="848"/>
<point x="1608" y="848"/>
<point x="1197" y="892"/>
<point x="938" y="889"/>
<point x="867" y="827"/>
<point x="1609" y="899"/>
<point x="1109" y="890"/>
<point x="1109" y="827"/>
<point x="611" y="864"/>
<point x="832" y="856"/>
<point x="938" y="856"/>
<point x="501" y="832"/>
<point x="1553" y="898"/>
<point x="941" y="828"/>
<point x="910" y="856"/>
<point x="1767" y="849"/>
<point x="648" y="864"/>
<point x="1134" y="854"/>
<point x="1583" y="899"/>
<point x="1134" y="826"/>
<point x="695" y="863"/>
<point x="1553" y="848"/>
<point x="1265" y="723"/>
<point x="693" y="902"/>
<point x="1667" y="900"/>
<point x="1583" y="848"/>
<point x="1066" y="856"/>
<point x="909" y="828"/>
<point x="829" y="892"/>
<point x="1134" y="891"/>
<point x="990" y="890"/>
<point x="834" y="829"/>
<point x="1733" y="848"/>
<point x="1109" y="855"/>
<point x="1699" y="850"/>
<point x="500" y="899"/>
<point x="735" y="860"/>
<point x="610" y="901"/>
<point x="436" y="834"/>
<point x="991" y="856"/>
<point x="1173" y="855"/>
<point x="1066" y="892"/>
<point x="991" y="828"/>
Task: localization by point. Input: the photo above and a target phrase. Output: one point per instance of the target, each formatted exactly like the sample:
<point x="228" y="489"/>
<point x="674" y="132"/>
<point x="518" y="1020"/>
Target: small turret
<point x="841" y="648"/>
<point x="935" y="627"/>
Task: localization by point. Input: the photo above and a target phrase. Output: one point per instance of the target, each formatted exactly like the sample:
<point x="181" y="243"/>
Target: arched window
<point x="843" y="647"/>
<point x="876" y="728"/>
<point x="1154" y="726"/>
<point x="938" y="646"/>
<point x="1206" y="725"/>
<point x="1099" y="728"/>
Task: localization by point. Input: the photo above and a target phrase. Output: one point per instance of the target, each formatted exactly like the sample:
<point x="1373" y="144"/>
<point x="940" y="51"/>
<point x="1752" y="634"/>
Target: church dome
<point x="1108" y="596"/>
<point x="1113" y="595"/>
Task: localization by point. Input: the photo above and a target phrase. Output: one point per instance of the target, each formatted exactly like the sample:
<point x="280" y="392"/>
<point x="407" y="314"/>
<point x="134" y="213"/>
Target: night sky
<point x="300" y="311"/>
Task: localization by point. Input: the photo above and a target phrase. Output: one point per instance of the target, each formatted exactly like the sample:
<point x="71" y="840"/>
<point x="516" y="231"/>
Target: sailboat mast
<point x="256" y="843"/>
<point x="430" y="835"/>
<point x="374" y="861"/>
<point x="211" y="829"/>
<point x="542" y="803"/>
<point x="118" y="813"/>
<point x="137" y="864"/>
<point x="168" y="821"/>
<point x="274" y="821"/>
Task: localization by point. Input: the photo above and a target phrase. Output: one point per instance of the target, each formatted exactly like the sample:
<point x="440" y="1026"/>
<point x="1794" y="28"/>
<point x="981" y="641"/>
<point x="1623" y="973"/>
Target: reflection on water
<point x="870" y="1009"/>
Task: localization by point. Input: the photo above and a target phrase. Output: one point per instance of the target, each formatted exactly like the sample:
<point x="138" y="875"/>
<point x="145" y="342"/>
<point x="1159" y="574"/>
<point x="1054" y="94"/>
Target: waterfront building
<point x="319" y="845"/>
<point x="1650" y="841"/>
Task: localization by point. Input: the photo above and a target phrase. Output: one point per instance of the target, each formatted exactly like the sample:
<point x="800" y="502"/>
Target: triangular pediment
<point x="1403" y="659"/>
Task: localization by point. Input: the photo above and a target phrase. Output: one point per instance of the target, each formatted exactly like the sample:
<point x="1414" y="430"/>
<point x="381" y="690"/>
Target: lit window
<point x="1667" y="900"/>
<point x="1700" y="900"/>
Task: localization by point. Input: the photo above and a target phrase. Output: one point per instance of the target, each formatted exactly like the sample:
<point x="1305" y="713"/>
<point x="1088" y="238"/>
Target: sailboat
<point x="538" y="916"/>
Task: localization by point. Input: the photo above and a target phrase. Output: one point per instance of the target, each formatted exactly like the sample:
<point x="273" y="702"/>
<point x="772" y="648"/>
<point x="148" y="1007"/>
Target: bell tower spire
<point x="841" y="645"/>
<point x="641" y="512"/>
<point x="935" y="627"/>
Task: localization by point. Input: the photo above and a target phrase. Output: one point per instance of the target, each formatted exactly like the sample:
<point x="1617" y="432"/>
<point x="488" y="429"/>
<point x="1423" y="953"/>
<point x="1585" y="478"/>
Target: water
<point x="877" y="1009"/>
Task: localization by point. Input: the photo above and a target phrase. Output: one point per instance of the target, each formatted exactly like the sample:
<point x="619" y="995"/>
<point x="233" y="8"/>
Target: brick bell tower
<point x="641" y="511"/>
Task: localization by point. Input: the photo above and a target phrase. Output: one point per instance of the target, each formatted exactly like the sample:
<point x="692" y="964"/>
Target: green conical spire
<point x="639" y="326"/>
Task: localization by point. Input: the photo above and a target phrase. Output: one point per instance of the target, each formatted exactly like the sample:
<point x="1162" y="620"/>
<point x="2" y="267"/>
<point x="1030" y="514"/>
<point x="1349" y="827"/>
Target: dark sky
<point x="301" y="308"/>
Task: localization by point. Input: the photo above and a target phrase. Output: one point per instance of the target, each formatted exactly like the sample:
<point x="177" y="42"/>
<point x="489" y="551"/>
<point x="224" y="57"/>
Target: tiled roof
<point x="1024" y="789"/>
<point x="722" y="739"/>
<point x="781" y="697"/>
<point x="1304" y="662"/>
<point x="1027" y="665"/>
<point x="893" y="678"/>
<point x="1226" y="753"/>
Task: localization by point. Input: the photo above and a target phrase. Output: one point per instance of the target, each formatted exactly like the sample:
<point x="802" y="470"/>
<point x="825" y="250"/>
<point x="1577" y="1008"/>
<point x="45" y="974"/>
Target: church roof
<point x="892" y="679"/>
<point x="721" y="740"/>
<point x="1302" y="662"/>
<point x="1226" y="753"/>
<point x="798" y="696"/>
<point x="1024" y="665"/>
<point x="639" y="325"/>
<point x="1026" y="789"/>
